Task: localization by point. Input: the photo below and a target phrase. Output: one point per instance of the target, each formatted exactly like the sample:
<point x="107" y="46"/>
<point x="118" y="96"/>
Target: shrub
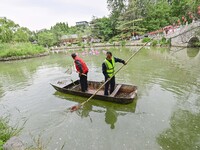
<point x="19" y="49"/>
<point x="6" y="131"/>
<point x="146" y="39"/>
<point x="164" y="41"/>
<point x="123" y="43"/>
<point x="154" y="43"/>
<point x="69" y="44"/>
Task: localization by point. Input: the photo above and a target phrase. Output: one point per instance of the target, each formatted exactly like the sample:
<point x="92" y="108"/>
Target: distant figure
<point x="108" y="69"/>
<point x="82" y="70"/>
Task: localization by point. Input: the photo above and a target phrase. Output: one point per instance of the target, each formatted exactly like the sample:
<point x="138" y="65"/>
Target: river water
<point x="165" y="115"/>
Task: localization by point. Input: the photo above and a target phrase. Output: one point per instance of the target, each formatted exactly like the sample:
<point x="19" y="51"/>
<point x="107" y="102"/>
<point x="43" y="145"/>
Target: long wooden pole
<point x="74" y="108"/>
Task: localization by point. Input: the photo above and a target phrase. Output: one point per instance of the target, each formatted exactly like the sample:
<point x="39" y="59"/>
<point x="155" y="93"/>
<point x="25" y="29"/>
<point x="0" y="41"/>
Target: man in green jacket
<point x="108" y="69"/>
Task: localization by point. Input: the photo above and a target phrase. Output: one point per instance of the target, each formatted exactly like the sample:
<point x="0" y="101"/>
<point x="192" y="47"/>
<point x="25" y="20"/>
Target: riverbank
<point x="23" y="57"/>
<point x="6" y="131"/>
<point x="98" y="45"/>
<point x="158" y="43"/>
<point x="17" y="51"/>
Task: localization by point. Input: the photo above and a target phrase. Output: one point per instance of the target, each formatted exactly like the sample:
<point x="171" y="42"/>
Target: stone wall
<point x="184" y="35"/>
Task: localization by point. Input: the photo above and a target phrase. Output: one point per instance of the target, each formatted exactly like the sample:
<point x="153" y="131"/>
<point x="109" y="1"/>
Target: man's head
<point x="73" y="55"/>
<point x="109" y="55"/>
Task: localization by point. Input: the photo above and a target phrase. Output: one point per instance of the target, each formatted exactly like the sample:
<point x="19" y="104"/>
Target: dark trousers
<point x="110" y="83"/>
<point x="83" y="82"/>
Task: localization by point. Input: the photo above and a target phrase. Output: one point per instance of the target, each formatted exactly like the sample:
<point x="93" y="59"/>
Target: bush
<point x="197" y="44"/>
<point x="163" y="41"/>
<point x="79" y="43"/>
<point x="146" y="39"/>
<point x="82" y="45"/>
<point x="6" y="131"/>
<point x="19" y="49"/>
<point x="123" y="43"/>
<point x="154" y="43"/>
<point x="1" y="145"/>
<point x="69" y="44"/>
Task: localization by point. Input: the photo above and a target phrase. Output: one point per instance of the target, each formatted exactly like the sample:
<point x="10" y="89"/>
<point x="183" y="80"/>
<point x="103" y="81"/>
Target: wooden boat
<point x="123" y="93"/>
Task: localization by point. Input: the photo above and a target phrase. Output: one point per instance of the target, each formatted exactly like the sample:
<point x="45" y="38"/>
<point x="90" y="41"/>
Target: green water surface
<point x="165" y="115"/>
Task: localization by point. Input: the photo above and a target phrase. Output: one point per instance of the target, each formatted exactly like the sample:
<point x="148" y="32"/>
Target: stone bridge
<point x="185" y="36"/>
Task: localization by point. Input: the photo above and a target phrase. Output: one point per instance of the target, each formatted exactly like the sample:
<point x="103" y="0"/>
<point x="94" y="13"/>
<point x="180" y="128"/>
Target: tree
<point x="22" y="35"/>
<point x="116" y="7"/>
<point x="102" y="28"/>
<point x="158" y="16"/>
<point x="46" y="38"/>
<point x="129" y="20"/>
<point x="7" y="29"/>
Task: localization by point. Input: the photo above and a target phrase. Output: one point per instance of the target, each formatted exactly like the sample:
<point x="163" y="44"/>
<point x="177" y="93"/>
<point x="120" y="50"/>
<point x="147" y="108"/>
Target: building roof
<point x="82" y="23"/>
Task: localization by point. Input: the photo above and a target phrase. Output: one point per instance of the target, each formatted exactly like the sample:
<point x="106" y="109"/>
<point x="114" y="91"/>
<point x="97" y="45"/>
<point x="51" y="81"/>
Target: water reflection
<point x="19" y="74"/>
<point x="192" y="52"/>
<point x="185" y="52"/>
<point x="167" y="81"/>
<point x="111" y="117"/>
<point x="184" y="132"/>
<point x="110" y="110"/>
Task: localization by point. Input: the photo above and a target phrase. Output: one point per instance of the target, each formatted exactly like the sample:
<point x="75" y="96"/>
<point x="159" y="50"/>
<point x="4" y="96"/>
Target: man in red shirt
<point x="82" y="69"/>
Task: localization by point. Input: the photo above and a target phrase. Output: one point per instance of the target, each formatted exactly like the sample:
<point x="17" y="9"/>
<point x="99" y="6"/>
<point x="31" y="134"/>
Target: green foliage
<point x="158" y="16"/>
<point x="102" y="28"/>
<point x="197" y="44"/>
<point x="46" y="38"/>
<point x="22" y="35"/>
<point x="146" y="39"/>
<point x="154" y="43"/>
<point x="1" y="145"/>
<point x="82" y="45"/>
<point x="19" y="49"/>
<point x="79" y="43"/>
<point x="6" y="131"/>
<point x="163" y="41"/>
<point x="9" y="32"/>
<point x="142" y="16"/>
<point x="126" y="17"/>
<point x="69" y="44"/>
<point x="123" y="43"/>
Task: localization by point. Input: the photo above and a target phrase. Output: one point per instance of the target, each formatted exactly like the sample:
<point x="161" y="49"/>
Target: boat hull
<point x="123" y="93"/>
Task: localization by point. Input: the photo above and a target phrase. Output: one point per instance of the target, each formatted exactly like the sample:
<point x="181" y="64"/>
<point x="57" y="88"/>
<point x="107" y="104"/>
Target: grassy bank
<point x="6" y="131"/>
<point x="20" y="49"/>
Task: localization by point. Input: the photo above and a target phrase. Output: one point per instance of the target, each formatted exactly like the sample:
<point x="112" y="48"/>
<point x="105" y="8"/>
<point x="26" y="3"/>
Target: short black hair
<point x="109" y="53"/>
<point x="73" y="55"/>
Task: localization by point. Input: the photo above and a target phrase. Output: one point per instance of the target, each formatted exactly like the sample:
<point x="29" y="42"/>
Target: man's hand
<point x="125" y="63"/>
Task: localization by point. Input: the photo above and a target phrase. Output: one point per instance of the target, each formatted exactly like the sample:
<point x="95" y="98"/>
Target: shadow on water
<point x="111" y="110"/>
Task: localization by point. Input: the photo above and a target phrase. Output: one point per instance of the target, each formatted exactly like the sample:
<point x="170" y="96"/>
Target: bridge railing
<point x="182" y="29"/>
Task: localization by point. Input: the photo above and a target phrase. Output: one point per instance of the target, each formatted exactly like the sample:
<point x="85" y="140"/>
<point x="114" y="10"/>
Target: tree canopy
<point x="126" y="17"/>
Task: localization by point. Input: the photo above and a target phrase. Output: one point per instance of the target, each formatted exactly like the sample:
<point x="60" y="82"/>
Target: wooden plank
<point x="75" y="86"/>
<point x="115" y="91"/>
